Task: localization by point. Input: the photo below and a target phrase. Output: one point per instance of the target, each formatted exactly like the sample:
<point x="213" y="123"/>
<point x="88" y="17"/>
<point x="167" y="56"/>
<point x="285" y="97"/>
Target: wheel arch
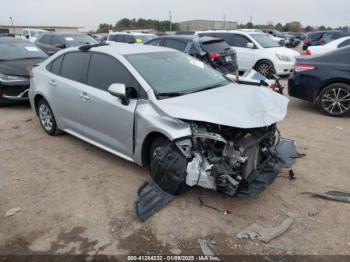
<point x="36" y="100"/>
<point x="331" y="82"/>
<point x="146" y="146"/>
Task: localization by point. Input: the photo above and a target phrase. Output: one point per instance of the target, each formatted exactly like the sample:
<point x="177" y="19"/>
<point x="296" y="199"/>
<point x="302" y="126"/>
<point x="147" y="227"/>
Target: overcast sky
<point x="89" y="13"/>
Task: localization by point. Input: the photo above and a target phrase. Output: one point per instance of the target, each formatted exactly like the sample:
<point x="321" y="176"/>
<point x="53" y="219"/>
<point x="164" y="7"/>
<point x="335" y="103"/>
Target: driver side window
<point x="240" y="41"/>
<point x="105" y="70"/>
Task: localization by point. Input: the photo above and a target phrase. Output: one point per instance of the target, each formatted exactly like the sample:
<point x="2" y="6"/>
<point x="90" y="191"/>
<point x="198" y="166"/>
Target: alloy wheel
<point x="336" y="101"/>
<point x="264" y="69"/>
<point x="46" y="117"/>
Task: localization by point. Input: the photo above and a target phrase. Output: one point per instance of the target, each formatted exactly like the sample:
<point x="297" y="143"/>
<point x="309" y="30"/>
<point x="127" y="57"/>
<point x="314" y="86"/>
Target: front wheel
<point x="266" y="68"/>
<point x="334" y="100"/>
<point x="46" y="117"/>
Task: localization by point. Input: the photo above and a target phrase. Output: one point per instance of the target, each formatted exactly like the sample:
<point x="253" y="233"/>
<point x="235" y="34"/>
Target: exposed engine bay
<point x="232" y="161"/>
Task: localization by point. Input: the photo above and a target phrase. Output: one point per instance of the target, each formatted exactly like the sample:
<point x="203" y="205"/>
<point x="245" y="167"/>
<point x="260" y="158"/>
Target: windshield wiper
<point x="170" y="94"/>
<point x="207" y="88"/>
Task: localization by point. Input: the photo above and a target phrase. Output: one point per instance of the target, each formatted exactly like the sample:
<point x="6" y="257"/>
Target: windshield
<point x="175" y="73"/>
<point x="143" y="38"/>
<point x="265" y="40"/>
<point x="20" y="50"/>
<point x="35" y="33"/>
<point x="78" y="40"/>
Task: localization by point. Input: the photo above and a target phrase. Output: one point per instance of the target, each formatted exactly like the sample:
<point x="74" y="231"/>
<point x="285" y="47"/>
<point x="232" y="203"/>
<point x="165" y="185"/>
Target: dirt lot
<point x="76" y="198"/>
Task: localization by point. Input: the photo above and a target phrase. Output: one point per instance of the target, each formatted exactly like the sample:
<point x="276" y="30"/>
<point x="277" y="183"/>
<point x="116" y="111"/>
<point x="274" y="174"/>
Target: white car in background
<point x="32" y="34"/>
<point x="256" y="50"/>
<point x="331" y="46"/>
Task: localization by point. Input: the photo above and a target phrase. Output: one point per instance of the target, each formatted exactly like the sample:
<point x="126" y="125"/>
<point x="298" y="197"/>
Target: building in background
<point x="17" y="30"/>
<point x="198" y="25"/>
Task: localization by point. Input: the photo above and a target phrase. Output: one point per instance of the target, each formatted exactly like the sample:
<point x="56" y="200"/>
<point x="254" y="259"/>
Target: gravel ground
<point x="78" y="199"/>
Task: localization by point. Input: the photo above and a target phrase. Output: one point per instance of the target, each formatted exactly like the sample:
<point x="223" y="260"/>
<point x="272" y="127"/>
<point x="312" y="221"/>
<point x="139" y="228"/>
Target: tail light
<point x="307" y="41"/>
<point x="30" y="75"/>
<point x="303" y="67"/>
<point x="322" y="41"/>
<point x="307" y="52"/>
<point x="215" y="56"/>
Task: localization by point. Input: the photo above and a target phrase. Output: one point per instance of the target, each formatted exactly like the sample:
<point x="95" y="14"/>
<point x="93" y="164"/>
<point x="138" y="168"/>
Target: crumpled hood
<point x="283" y="51"/>
<point x="19" y="67"/>
<point x="235" y="105"/>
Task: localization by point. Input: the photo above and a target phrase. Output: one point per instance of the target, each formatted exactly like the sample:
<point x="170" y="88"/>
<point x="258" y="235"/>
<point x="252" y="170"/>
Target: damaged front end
<point x="229" y="160"/>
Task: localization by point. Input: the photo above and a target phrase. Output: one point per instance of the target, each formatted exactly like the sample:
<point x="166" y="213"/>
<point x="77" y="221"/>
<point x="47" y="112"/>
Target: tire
<point x="47" y="118"/>
<point x="266" y="68"/>
<point x="157" y="144"/>
<point x="334" y="100"/>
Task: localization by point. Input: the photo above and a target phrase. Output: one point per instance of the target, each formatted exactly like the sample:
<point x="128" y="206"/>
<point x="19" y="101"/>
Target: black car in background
<point x="324" y="80"/>
<point x="213" y="51"/>
<point x="51" y="43"/>
<point x="17" y="58"/>
<point x="317" y="38"/>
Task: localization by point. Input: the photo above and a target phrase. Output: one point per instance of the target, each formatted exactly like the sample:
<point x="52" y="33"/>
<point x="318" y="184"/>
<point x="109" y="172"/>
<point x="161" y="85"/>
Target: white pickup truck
<point x="32" y="34"/>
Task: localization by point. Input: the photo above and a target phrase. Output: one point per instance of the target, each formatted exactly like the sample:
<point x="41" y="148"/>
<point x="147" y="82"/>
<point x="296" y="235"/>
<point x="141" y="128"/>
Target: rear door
<point x="104" y="118"/>
<point x="68" y="72"/>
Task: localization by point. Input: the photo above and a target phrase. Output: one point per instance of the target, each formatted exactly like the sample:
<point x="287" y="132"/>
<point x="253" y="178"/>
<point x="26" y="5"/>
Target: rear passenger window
<point x="74" y="65"/>
<point x="55" y="66"/>
<point x="344" y="43"/>
<point x="178" y="45"/>
<point x="105" y="70"/>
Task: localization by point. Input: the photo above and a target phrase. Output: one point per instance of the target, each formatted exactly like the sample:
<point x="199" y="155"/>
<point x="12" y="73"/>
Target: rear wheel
<point x="334" y="100"/>
<point x="46" y="117"/>
<point x="265" y="68"/>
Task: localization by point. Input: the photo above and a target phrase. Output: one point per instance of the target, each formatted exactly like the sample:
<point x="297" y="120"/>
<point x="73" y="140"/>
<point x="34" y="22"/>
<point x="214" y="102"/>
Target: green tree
<point x="104" y="28"/>
<point x="279" y="27"/>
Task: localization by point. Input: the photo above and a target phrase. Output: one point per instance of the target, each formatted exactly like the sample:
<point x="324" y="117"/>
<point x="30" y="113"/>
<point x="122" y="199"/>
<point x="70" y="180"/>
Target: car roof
<point x="63" y="34"/>
<point x="115" y="48"/>
<point x="189" y="38"/>
<point x="128" y="33"/>
<point x="13" y="39"/>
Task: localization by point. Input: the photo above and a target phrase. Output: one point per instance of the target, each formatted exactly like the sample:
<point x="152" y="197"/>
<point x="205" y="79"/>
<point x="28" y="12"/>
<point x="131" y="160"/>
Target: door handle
<point x="53" y="83"/>
<point x="85" y="96"/>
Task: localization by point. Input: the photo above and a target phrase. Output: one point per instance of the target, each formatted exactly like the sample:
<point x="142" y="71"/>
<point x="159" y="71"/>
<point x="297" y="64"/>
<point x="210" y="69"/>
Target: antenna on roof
<point x="88" y="47"/>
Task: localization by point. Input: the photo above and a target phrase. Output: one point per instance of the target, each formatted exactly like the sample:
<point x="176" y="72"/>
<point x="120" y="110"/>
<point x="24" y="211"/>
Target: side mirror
<point x="27" y="36"/>
<point x="250" y="45"/>
<point x="119" y="90"/>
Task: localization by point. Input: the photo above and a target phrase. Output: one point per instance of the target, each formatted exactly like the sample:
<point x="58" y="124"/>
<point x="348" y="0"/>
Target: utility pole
<point x="13" y="26"/>
<point x="224" y="21"/>
<point x="170" y="16"/>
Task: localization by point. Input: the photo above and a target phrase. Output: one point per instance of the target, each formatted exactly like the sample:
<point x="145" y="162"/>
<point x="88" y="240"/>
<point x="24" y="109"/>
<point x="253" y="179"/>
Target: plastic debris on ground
<point x="266" y="232"/>
<point x="206" y="247"/>
<point x="332" y="195"/>
<point x="13" y="211"/>
<point x="150" y="199"/>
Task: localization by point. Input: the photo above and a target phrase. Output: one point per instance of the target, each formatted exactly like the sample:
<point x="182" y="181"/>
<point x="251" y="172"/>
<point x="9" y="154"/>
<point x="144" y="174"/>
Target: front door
<point x="104" y="118"/>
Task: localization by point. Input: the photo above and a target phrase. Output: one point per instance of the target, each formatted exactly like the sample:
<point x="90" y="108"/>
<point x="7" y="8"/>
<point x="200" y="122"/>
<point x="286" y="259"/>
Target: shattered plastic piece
<point x="266" y="232"/>
<point x="285" y="154"/>
<point x="332" y="195"/>
<point x="150" y="199"/>
<point x="13" y="211"/>
<point x="206" y="246"/>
